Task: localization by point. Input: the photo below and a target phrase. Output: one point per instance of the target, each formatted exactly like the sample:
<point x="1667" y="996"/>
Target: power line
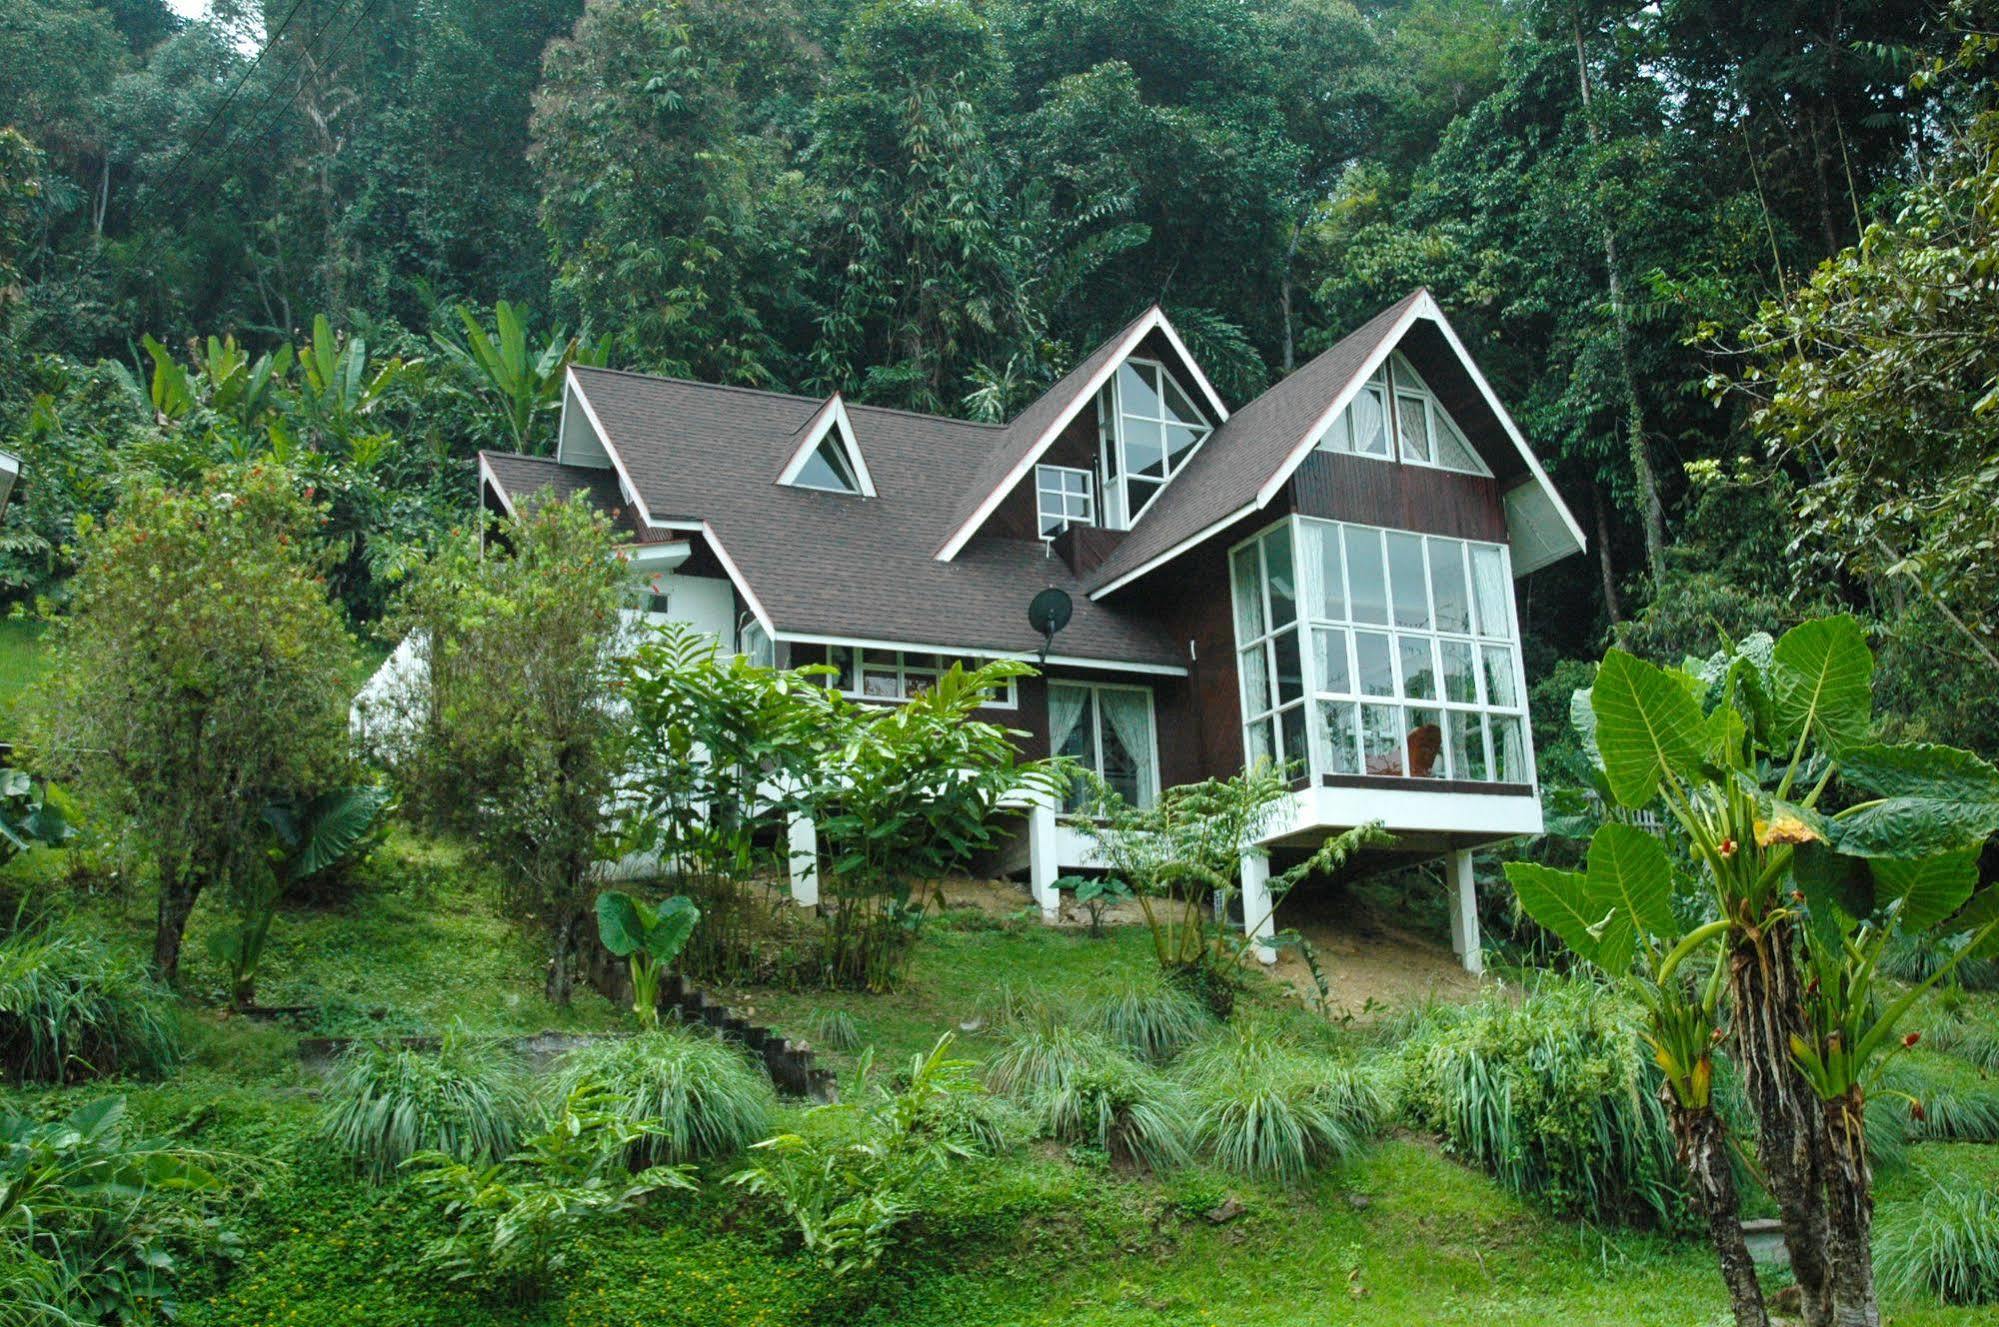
<point x="242" y="80"/>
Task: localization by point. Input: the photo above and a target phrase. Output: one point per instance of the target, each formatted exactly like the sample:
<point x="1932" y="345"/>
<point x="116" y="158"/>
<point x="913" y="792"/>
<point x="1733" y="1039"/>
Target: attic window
<point x="1149" y="428"/>
<point x="827" y="467"/>
<point x="827" y="458"/>
<point x="1418" y="430"/>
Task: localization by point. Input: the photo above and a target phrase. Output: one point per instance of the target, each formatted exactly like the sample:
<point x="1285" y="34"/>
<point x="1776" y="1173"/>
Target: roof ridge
<point x="783" y="396"/>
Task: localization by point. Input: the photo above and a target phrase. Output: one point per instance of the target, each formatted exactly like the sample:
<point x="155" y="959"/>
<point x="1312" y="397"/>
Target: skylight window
<point x="1149" y="429"/>
<point x="1418" y="430"/>
<point x="827" y="468"/>
<point x="827" y="457"/>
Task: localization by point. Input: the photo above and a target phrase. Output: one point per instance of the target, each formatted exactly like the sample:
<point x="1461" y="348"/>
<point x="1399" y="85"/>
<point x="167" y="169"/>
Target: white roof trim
<point x="1151" y="563"/>
<point x="488" y="479"/>
<point x="626" y="488"/>
<point x="1154" y="317"/>
<point x="980" y="652"/>
<point x="734" y="572"/>
<point x="832" y="415"/>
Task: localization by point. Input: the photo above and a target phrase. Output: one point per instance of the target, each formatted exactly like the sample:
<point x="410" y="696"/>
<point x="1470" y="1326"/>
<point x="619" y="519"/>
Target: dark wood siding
<point x="1400" y="497"/>
<point x="1201" y="737"/>
<point x="1016" y="517"/>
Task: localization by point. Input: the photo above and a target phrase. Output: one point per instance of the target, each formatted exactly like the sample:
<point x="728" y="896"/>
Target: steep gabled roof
<point x="1031" y="432"/>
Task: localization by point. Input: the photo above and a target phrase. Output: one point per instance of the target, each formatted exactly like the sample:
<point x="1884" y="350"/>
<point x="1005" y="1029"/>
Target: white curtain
<point x="1128" y="714"/>
<point x="1488" y="574"/>
<point x="1065" y="711"/>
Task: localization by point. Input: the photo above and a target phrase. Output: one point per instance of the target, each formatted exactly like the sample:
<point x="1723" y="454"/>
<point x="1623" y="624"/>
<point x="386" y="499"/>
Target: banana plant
<point x="523" y="386"/>
<point x="648" y="938"/>
<point x="340" y="389"/>
<point x="304" y="839"/>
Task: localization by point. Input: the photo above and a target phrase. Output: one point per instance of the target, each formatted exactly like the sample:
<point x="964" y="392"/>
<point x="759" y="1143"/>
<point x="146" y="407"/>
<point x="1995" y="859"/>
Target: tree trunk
<point x="178" y="891"/>
<point x="1850" y="1192"/>
<point x="1652" y="510"/>
<point x="1790" y="1127"/>
<point x="562" y="955"/>
<point x="1612" y="606"/>
<point x="1702" y="1143"/>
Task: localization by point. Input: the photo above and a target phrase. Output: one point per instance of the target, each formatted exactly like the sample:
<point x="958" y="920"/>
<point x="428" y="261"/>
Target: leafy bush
<point x="518" y="1220"/>
<point x="1135" y="1115"/>
<point x="1946" y="1245"/>
<point x="70" y="1008"/>
<point x="1264" y="1107"/>
<point x="697" y="1095"/>
<point x="1152" y="1017"/>
<point x="1553" y="1095"/>
<point x="858" y="1170"/>
<point x="388" y="1103"/>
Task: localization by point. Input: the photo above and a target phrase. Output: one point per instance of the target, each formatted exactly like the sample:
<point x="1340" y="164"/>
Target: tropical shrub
<point x="1264" y="1107"/>
<point x="386" y="1103"/>
<point x="1946" y="1245"/>
<point x="1097" y="894"/>
<point x="648" y="938"/>
<point x="1554" y="1096"/>
<point x="227" y="693"/>
<point x="857" y="1171"/>
<point x="692" y="1095"/>
<point x="72" y="1008"/>
<point x="1151" y="1017"/>
<point x="89" y="1215"/>
<point x="519" y="1220"/>
<point x="1135" y="1115"/>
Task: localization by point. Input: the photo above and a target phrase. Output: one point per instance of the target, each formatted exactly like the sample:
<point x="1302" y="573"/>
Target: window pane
<point x="1426" y="744"/>
<point x="842" y="660"/>
<point x="1257" y="746"/>
<point x="1337" y="751"/>
<point x="1412" y="416"/>
<point x="1488" y="581"/>
<point x="1180" y="441"/>
<point x="1290" y="668"/>
<point x="1144" y="449"/>
<point x="1499" y="688"/>
<point x="1453" y="452"/>
<point x="1381" y="739"/>
<point x="1248" y="595"/>
<point x="1329" y="662"/>
<point x="1121" y="766"/>
<point x="1377" y="674"/>
<point x="1367" y="578"/>
<point x="1447" y="579"/>
<point x="1460" y="683"/>
<point x="1178" y="406"/>
<point x="1291" y="725"/>
<point x="1136" y="393"/>
<point x="1255" y="680"/>
<point x="1370" y="431"/>
<point x="1322" y="543"/>
<point x="1509" y="749"/>
<point x="1412" y="593"/>
<point x="1339" y="434"/>
<point x="1138" y="493"/>
<point x="827" y="468"/>
<point x="1467" y="741"/>
<point x="1283" y="580"/>
<point x="1419" y="673"/>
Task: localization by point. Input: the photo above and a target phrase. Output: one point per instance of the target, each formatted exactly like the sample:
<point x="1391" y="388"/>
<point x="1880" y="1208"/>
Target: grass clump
<point x="836" y="1030"/>
<point x="71" y="1008"/>
<point x="1946" y="1245"/>
<point x="1136" y="1116"/>
<point x="1956" y="1115"/>
<point x="1554" y="1096"/>
<point x="1152" y="1017"/>
<point x="388" y="1103"/>
<point x="706" y="1096"/>
<point x="1265" y="1108"/>
<point x="1043" y="1053"/>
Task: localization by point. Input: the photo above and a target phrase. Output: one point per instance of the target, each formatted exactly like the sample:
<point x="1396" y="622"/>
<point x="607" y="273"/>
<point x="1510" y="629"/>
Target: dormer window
<point x="1418" y="430"/>
<point x="1063" y="496"/>
<point x="1148" y="428"/>
<point x="827" y="458"/>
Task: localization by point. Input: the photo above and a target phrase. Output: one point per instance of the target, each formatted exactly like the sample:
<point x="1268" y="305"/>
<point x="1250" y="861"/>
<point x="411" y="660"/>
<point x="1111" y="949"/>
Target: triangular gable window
<point x="1418" y="429"/>
<point x="1148" y="428"/>
<point x="827" y="457"/>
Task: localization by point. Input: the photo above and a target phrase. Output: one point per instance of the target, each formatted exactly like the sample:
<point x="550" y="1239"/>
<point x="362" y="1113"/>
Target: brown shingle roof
<point x="1240" y="457"/>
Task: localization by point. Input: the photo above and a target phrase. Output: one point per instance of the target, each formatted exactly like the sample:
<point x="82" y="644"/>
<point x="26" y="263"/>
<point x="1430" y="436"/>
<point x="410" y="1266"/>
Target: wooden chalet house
<point x="1324" y="575"/>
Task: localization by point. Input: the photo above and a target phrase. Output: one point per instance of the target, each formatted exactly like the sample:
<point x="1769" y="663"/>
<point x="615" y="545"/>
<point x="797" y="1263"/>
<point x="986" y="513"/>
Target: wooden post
<point x="803" y="837"/>
<point x="1042" y="867"/>
<point x="1464" y="911"/>
<point x="1256" y="906"/>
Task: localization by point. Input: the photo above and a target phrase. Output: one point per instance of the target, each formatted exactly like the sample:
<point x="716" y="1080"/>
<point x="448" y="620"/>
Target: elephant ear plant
<point x="648" y="938"/>
<point x="1809" y="846"/>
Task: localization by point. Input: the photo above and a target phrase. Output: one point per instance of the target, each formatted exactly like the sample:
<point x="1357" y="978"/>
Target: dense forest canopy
<point x="941" y="204"/>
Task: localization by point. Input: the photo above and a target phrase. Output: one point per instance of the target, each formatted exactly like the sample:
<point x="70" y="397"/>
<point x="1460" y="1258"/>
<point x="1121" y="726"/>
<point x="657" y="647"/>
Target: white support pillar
<point x="1042" y="867"/>
<point x="803" y="837"/>
<point x="1464" y="910"/>
<point x="1257" y="910"/>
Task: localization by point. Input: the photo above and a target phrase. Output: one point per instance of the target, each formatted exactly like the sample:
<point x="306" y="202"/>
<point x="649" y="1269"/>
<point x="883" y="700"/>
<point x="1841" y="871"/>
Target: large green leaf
<point x="1928" y="890"/>
<point x="334" y="823"/>
<point x="618" y="923"/>
<point x="1560" y="901"/>
<point x="1931" y="800"/>
<point x="1981" y="912"/>
<point x="1823" y="676"/>
<point x="671" y="928"/>
<point x="1646" y="724"/>
<point x="1838" y="892"/>
<point x="1629" y="869"/>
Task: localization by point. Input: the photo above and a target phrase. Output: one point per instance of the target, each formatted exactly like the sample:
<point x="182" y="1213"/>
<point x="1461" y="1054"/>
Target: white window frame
<point x="868" y="659"/>
<point x="1042" y="494"/>
<point x="1398" y="380"/>
<point x="1310" y="620"/>
<point x="753" y="641"/>
<point x="1264" y="643"/>
<point x="1097" y="722"/>
<point x="1117" y="514"/>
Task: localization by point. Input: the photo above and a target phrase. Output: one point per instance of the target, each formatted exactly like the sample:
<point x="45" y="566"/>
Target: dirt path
<point x="1376" y="968"/>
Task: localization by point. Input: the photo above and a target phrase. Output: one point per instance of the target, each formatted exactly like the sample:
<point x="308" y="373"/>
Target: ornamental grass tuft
<point x="1152" y="1017"/>
<point x="71" y="1008"/>
<point x="706" y="1096"/>
<point x="388" y="1103"/>
<point x="1946" y="1245"/>
<point x="1264" y="1107"/>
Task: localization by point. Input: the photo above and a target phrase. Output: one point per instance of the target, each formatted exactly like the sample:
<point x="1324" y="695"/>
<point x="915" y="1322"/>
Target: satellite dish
<point x="1048" y="613"/>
